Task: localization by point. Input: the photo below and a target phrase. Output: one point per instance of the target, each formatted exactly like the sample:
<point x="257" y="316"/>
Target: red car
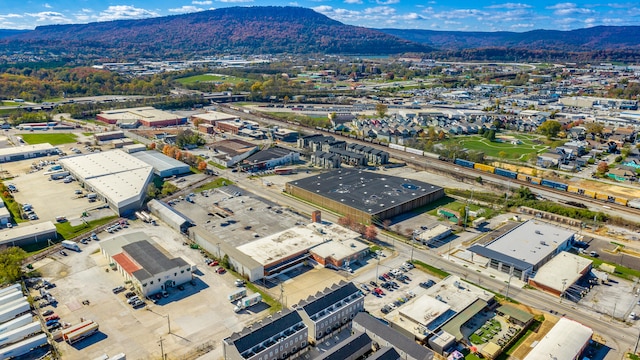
<point x="378" y="291"/>
<point x="52" y="317"/>
<point x="214" y="263"/>
<point x="221" y="270"/>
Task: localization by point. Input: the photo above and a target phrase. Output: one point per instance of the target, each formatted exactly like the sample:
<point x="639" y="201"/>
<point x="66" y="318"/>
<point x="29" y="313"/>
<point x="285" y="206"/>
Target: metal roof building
<point x="26" y="152"/>
<point x="169" y="215"/>
<point x="118" y="178"/>
<point x="146" y="264"/>
<point x="525" y="248"/>
<point x="163" y="165"/>
<point x="565" y="341"/>
<point x="363" y="195"/>
<point x="29" y="234"/>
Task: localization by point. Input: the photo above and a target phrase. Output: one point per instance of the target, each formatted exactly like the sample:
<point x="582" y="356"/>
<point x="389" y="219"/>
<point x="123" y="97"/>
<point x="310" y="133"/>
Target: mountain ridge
<point x="297" y="30"/>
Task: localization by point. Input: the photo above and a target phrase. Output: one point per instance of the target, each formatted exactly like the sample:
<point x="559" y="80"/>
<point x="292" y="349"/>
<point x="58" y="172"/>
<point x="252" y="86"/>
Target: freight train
<point x="549" y="183"/>
<point x="632" y="203"/>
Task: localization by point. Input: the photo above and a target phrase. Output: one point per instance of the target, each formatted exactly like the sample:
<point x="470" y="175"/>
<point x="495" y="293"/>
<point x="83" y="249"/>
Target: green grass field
<point x="53" y="139"/>
<point x="493" y="149"/>
<point x="211" y="78"/>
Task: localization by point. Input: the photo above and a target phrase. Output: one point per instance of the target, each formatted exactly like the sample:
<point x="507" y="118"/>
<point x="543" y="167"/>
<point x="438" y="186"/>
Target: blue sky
<point x="463" y="15"/>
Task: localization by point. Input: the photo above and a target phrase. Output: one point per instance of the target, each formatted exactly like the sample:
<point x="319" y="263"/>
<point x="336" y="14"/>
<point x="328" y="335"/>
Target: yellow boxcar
<point x="535" y="180"/>
<point x="483" y="167"/>
<point x="621" y="201"/>
<point x="572" y="189"/>
<point x="524" y="177"/>
<point x="590" y="193"/>
<point x="604" y="197"/>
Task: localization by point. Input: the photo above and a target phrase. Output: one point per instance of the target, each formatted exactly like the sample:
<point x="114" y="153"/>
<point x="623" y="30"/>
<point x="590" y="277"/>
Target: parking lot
<point x="82" y="278"/>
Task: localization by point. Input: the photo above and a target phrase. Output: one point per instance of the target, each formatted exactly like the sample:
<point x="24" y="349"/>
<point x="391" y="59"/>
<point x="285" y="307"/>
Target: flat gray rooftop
<point x="529" y="243"/>
<point x="364" y="190"/>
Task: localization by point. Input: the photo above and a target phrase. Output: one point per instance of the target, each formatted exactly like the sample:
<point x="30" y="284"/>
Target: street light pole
<point x="564" y="284"/>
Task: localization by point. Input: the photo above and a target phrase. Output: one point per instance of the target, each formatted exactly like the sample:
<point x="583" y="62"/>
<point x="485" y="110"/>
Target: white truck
<point x="247" y="302"/>
<point x="238" y="294"/>
<point x="68" y="244"/>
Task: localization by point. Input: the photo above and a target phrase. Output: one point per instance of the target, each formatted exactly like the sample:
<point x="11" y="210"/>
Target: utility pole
<point x="509" y="282"/>
<point x="162" y="348"/>
<point x="564" y="284"/>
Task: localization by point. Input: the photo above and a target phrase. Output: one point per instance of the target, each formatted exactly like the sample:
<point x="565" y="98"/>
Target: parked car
<point x="62" y="252"/>
<point x="239" y="282"/>
<point x="373" y="283"/>
<point x="51" y="322"/>
<point x="118" y="289"/>
<point x="52" y="317"/>
<point x="133" y="299"/>
<point x="54" y="326"/>
<point x="47" y="313"/>
<point x="130" y="294"/>
<point x="221" y="270"/>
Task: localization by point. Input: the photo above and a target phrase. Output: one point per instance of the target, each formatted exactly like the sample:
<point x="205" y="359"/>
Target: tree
<point x="346" y="221"/>
<point x="188" y="138"/>
<point x="152" y="146"/>
<point x="202" y="165"/>
<point x="381" y="109"/>
<point x="371" y="232"/>
<point x="594" y="128"/>
<point x="550" y="128"/>
<point x="152" y="190"/>
<point x="525" y="193"/>
<point x="11" y="264"/>
<point x="168" y="189"/>
<point x="603" y="167"/>
<point x="502" y="155"/>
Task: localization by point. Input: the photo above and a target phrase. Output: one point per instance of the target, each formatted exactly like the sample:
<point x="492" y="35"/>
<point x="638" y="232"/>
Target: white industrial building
<point x="29" y="234"/>
<point x="431" y="236"/>
<point x="274" y="254"/>
<point x="27" y="152"/>
<point x="5" y="215"/>
<point x="170" y="216"/>
<point x="163" y="165"/>
<point x="118" y="178"/>
<point x="561" y="273"/>
<point x="565" y="341"/>
<point x="445" y="306"/>
<point x="145" y="264"/>
<point x="524" y="249"/>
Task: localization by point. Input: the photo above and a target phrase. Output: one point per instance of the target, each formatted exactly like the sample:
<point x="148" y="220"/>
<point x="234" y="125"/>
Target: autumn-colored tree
<point x="603" y="167"/>
<point x="178" y="155"/>
<point x="359" y="228"/>
<point x="152" y="146"/>
<point x="371" y="232"/>
<point x="202" y="165"/>
<point x="346" y="221"/>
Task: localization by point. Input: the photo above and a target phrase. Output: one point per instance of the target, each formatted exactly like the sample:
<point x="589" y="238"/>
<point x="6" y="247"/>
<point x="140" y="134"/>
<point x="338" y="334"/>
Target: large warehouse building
<point x="29" y="234"/>
<point x="26" y="152"/>
<point x="525" y="248"/>
<point x="364" y="196"/>
<point x="277" y="253"/>
<point x="145" y="116"/>
<point x="116" y="177"/>
<point x="145" y="264"/>
<point x="163" y="165"/>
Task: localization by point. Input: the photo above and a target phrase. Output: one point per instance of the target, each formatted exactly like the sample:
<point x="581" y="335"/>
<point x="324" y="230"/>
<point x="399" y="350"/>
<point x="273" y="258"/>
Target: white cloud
<point x="461" y="14"/>
<point x="353" y="1"/>
<point x="564" y="9"/>
<point x="294" y="3"/>
<point x="235" y="1"/>
<point x="521" y="26"/>
<point x="380" y="10"/>
<point x="203" y="2"/>
<point x="118" y="12"/>
<point x="387" y="2"/>
<point x="46" y="5"/>
<point x="510" y="6"/>
<point x="186" y="9"/>
<point x="50" y="17"/>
